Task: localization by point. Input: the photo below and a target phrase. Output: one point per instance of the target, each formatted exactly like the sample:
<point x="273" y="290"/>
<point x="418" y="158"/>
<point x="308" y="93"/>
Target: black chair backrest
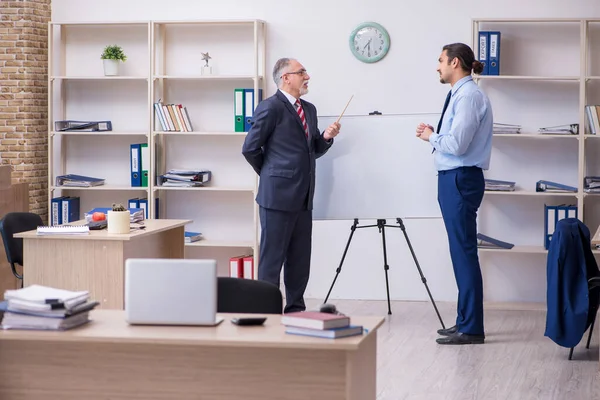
<point x="16" y="222"/>
<point x="238" y="295"/>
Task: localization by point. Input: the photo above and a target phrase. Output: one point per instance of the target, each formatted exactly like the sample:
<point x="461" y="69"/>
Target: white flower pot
<point x="118" y="221"/>
<point x="111" y="67"/>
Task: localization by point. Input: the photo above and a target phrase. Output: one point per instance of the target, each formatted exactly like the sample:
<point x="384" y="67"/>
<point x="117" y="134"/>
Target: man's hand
<point x="424" y="131"/>
<point x="332" y="131"/>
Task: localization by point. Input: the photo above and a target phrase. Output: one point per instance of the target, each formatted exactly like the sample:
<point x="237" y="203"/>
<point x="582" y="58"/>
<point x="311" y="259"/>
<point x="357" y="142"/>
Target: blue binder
<point x="70" y="209"/>
<point x="484" y="51"/>
<point x="56" y="211"/>
<point x="135" y="165"/>
<point x="249" y="106"/>
<point x="553" y="214"/>
<point x="494" y="53"/>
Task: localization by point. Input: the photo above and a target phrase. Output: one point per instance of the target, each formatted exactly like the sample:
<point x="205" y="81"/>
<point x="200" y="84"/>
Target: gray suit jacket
<point x="278" y="150"/>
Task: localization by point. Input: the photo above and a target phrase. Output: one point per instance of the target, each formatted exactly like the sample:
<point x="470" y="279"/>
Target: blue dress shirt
<point x="465" y="138"/>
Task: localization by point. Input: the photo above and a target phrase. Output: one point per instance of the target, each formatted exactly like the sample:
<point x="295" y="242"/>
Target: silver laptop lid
<point x="171" y="291"/>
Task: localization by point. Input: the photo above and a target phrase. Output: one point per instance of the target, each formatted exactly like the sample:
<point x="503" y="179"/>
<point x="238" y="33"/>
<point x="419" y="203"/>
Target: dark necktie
<point x="443" y="111"/>
<point x="300" y="112"/>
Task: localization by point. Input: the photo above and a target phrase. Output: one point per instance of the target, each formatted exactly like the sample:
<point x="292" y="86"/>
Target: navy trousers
<point x="460" y="192"/>
<point x="286" y="238"/>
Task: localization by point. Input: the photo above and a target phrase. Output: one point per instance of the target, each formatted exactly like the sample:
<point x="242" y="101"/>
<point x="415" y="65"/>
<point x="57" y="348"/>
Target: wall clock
<point x="369" y="42"/>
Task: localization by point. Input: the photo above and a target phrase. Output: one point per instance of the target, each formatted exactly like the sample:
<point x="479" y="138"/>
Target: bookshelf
<point x="534" y="94"/>
<point x="164" y="63"/>
<point x="79" y="90"/>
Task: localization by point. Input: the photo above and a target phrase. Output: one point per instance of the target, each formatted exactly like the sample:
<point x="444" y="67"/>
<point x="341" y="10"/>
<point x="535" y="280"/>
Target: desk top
<point x="152" y="226"/>
<point x="110" y="326"/>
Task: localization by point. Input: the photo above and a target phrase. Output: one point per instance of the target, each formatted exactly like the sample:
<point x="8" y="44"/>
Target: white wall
<point x="405" y="82"/>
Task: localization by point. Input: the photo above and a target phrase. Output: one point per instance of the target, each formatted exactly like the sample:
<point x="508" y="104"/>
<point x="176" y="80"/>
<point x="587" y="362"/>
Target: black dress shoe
<point x="448" y="331"/>
<point x="461" y="338"/>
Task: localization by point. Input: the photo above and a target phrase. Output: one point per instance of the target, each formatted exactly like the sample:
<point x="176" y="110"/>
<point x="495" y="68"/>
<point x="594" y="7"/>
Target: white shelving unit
<point x="535" y="89"/>
<point x="79" y="90"/>
<point x="225" y="211"/>
<point x="164" y="62"/>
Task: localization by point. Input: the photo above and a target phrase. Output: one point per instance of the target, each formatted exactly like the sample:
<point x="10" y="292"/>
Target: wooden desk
<point x="96" y="262"/>
<point x="108" y="359"/>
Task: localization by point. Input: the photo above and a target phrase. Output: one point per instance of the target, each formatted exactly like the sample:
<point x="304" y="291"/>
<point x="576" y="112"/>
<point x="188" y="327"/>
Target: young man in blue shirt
<point x="462" y="145"/>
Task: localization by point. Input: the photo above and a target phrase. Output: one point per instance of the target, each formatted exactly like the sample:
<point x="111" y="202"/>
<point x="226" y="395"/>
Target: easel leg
<point x="339" y="268"/>
<point x="386" y="267"/>
<point x="401" y="224"/>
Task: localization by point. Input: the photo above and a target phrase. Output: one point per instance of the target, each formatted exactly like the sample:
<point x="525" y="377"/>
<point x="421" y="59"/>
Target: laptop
<point x="171" y="292"/>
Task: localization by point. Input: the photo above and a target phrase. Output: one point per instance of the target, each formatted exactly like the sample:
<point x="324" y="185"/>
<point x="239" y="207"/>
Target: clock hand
<point x="368" y="44"/>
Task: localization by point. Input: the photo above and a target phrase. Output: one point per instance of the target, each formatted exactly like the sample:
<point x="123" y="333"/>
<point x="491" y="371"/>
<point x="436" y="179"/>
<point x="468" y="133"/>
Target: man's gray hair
<point x="278" y="69"/>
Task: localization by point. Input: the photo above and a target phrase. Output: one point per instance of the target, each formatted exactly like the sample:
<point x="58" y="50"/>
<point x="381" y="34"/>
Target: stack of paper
<point x="45" y="308"/>
<point x="185" y="177"/>
<point x="506" y="129"/>
<point x="136" y="214"/>
<point x="499" y="186"/>
<point x="591" y="184"/>
<point x="63" y="230"/>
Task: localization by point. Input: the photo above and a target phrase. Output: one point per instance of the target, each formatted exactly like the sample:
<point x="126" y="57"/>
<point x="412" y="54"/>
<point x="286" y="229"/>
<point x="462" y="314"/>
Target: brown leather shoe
<point x="461" y="338"/>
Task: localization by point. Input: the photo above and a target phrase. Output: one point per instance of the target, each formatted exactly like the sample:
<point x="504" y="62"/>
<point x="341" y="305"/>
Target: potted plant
<point x="111" y="56"/>
<point x="118" y="219"/>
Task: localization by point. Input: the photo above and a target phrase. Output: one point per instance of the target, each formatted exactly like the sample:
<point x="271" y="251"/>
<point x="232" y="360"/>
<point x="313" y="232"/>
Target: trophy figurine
<point x="206" y="69"/>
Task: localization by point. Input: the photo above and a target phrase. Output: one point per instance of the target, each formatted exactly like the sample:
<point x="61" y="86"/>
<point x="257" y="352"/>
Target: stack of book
<point x="45" y="308"/>
<point x="325" y="325"/>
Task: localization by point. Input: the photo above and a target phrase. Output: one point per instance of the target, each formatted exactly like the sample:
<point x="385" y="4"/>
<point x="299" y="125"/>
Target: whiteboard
<point x="377" y="168"/>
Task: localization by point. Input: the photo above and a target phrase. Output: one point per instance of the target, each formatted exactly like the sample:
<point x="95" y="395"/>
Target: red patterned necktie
<point x="300" y="111"/>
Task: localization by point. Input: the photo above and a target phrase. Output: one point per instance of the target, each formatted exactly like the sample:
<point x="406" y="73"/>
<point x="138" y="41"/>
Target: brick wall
<point x="24" y="96"/>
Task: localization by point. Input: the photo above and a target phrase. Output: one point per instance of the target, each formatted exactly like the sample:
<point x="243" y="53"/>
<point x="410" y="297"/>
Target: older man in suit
<point x="282" y="146"/>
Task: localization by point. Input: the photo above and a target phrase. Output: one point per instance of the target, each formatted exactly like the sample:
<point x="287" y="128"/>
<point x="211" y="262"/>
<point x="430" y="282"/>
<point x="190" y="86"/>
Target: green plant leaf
<point x="113" y="52"/>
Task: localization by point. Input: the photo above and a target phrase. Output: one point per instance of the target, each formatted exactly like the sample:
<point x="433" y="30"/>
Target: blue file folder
<point x="484" y="51"/>
<point x="494" y="53"/>
<point x="553" y="214"/>
<point x="135" y="165"/>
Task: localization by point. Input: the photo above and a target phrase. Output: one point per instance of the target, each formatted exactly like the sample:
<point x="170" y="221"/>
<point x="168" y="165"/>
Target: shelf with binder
<point x="99" y="77"/>
<point x="537" y="136"/>
<point x="79" y="90"/>
<point x="527" y="78"/>
<point x="209" y="77"/>
<point x="519" y="192"/>
<point x="222" y="243"/>
<point x="522" y="250"/>
<point x="205" y="189"/>
<point x="103" y="188"/>
<point x="98" y="133"/>
<point x="224" y="209"/>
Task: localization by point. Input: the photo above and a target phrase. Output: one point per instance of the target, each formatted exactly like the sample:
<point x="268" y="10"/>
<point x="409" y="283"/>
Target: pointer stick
<point x="340" y="117"/>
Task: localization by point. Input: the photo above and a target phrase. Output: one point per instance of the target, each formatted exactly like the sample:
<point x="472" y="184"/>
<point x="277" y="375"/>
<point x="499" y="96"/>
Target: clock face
<point x="369" y="42"/>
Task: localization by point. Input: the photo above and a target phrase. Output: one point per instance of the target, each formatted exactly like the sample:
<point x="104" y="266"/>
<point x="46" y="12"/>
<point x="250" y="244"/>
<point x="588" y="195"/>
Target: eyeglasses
<point x="302" y="72"/>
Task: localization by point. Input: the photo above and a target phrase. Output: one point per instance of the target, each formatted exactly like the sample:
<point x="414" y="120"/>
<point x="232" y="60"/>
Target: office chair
<point x="16" y="222"/>
<point x="593" y="284"/>
<point x="238" y="295"/>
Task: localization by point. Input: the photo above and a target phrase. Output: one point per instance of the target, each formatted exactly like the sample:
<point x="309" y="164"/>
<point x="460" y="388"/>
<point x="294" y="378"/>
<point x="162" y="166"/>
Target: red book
<point x="315" y="320"/>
